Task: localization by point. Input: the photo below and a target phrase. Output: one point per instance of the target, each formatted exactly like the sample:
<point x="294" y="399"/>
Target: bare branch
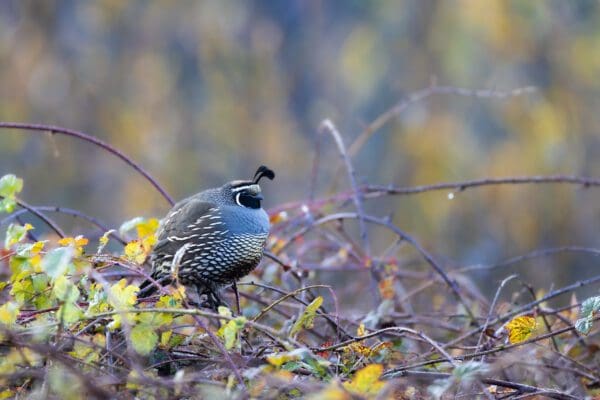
<point x="421" y="95"/>
<point x="40" y="128"/>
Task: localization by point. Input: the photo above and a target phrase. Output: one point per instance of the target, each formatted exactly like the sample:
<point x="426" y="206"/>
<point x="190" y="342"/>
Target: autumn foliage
<point x="70" y="312"/>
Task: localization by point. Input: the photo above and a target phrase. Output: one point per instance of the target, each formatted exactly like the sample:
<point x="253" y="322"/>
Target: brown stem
<point x="41" y="128"/>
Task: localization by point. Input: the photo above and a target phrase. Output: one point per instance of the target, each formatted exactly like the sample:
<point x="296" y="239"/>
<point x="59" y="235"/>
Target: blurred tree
<point x="200" y="92"/>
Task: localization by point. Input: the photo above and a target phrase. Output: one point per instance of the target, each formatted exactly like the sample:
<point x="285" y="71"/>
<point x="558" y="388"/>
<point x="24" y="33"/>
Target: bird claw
<point x="208" y="298"/>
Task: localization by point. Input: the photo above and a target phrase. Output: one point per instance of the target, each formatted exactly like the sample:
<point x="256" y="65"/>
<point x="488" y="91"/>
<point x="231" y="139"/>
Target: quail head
<point x="211" y="239"/>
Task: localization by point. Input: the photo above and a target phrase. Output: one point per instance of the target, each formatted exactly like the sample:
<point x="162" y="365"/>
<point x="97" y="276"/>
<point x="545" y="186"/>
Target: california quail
<point x="216" y="237"/>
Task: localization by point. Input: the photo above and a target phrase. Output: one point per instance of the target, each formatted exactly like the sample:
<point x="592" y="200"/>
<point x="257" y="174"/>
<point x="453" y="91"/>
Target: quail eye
<point x="247" y="200"/>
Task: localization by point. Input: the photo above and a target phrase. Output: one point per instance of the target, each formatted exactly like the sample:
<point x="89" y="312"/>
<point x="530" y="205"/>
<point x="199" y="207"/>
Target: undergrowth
<point x="72" y="324"/>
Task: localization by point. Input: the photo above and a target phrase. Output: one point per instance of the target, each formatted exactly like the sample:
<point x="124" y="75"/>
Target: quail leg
<point x="209" y="297"/>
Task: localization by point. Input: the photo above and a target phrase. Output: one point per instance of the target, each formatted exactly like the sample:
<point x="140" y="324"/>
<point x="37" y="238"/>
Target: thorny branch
<point x="42" y="129"/>
<point x="374" y="191"/>
<point x="423" y="94"/>
<point x="449" y="341"/>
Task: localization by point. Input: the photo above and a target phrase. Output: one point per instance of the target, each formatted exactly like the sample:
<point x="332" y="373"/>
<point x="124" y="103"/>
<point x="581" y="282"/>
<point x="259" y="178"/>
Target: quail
<point x="212" y="239"/>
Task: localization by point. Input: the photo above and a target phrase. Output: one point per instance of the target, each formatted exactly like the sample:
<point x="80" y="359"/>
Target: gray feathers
<point x="224" y="231"/>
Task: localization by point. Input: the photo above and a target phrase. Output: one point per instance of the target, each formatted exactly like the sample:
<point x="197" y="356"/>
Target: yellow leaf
<point x="139" y="249"/>
<point x="36" y="263"/>
<point x="230" y="331"/>
<point x="386" y="288"/>
<point x="148" y="243"/>
<point x="366" y="381"/>
<point x="9" y="313"/>
<point x="76" y="242"/>
<point x="104" y="239"/>
<point x="15" y="233"/>
<point x="143" y="339"/>
<point x="361" y="331"/>
<point x="37" y="247"/>
<point x="165" y="337"/>
<point x="85" y="352"/>
<point x="279" y="359"/>
<point x="358" y="347"/>
<point x="277" y="244"/>
<point x="520" y="328"/>
<point x="168" y="301"/>
<point x="306" y="320"/>
<point x="134" y="251"/>
<point x="147" y="228"/>
<point x="132" y="380"/>
<point x="123" y="296"/>
<point x="178" y="292"/>
<point x="279" y="217"/>
<point x="331" y="392"/>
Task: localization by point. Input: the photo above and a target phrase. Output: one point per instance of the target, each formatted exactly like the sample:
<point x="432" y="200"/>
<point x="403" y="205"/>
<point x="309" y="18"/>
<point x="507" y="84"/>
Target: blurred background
<point x="201" y="92"/>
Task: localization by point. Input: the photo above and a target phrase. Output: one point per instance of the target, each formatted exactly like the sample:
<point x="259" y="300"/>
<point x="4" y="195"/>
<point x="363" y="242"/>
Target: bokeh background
<point x="200" y="92"/>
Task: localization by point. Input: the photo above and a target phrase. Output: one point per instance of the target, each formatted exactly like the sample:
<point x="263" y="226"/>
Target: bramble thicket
<point x="72" y="324"/>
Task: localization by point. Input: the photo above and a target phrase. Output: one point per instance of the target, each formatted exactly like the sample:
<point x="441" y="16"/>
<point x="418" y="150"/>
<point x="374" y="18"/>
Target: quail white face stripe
<point x="253" y="187"/>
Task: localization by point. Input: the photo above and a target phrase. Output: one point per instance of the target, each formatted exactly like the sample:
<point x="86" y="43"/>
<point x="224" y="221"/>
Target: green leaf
<point x="292" y="366"/>
<point x="318" y="366"/>
<point x="22" y="290"/>
<point x="439" y="387"/>
<point x="42" y="301"/>
<point x="168" y="301"/>
<point x="143" y="339"/>
<point x="583" y="325"/>
<point x="588" y="308"/>
<point x="57" y="261"/>
<point x="306" y="320"/>
<point x="97" y="299"/>
<point x="65" y="290"/>
<point x="40" y="282"/>
<point x="15" y="233"/>
<point x="69" y="313"/>
<point x="10" y="185"/>
<point x="155" y="320"/>
<point x="230" y="332"/>
<point x="30" y="249"/>
<point x="469" y="371"/>
<point x="279" y="359"/>
<point x="7" y="205"/>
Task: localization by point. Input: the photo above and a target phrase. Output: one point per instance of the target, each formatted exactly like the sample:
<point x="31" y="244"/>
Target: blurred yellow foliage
<point x="366" y="380"/>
